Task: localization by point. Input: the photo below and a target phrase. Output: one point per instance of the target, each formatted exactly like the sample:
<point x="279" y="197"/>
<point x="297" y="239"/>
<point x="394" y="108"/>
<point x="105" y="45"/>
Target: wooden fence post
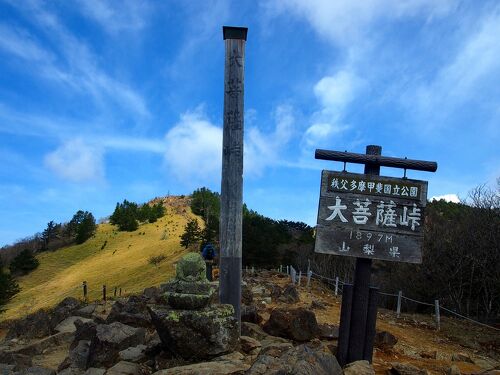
<point x="300" y="277"/>
<point x="336" y="285"/>
<point x="84" y="284"/>
<point x="104" y="293"/>
<point x="398" y="309"/>
<point x="115" y="290"/>
<point x="438" y="316"/>
<point x="309" y="275"/>
<point x="120" y="292"/>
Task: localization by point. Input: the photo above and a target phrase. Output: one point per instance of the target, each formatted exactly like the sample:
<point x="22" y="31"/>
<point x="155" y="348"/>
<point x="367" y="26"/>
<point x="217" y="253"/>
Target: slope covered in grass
<point x="111" y="258"/>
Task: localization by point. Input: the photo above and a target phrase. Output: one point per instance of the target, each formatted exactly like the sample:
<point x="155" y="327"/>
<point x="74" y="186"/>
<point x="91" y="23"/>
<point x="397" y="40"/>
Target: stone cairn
<point x="189" y="325"/>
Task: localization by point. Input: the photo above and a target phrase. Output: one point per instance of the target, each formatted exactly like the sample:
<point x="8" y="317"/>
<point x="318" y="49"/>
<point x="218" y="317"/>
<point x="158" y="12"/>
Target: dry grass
<point x="123" y="263"/>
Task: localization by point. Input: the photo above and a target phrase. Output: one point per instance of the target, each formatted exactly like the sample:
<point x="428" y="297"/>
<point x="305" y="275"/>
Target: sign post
<point x="232" y="169"/>
<point x="368" y="216"/>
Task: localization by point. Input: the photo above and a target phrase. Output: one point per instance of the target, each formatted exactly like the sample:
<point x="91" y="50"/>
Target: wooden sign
<point x="370" y="216"/>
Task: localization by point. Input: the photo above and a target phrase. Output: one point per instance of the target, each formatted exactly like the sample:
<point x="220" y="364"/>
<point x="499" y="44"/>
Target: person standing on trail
<point x="209" y="254"/>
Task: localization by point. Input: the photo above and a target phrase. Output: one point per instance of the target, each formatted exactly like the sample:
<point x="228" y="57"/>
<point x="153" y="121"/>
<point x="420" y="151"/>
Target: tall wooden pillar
<point x="232" y="169"/>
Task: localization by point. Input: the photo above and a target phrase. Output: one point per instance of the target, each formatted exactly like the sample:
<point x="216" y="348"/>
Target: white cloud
<point x="345" y="21"/>
<point x="22" y="44"/>
<point x="334" y="93"/>
<point x="130" y="15"/>
<point x="76" y="161"/>
<point x="263" y="149"/>
<point x="337" y="91"/>
<point x="76" y="66"/>
<point x="447" y="197"/>
<point x="194" y="149"/>
<point x="466" y="76"/>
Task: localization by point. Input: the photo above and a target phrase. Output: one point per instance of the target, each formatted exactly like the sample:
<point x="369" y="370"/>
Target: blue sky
<point x="106" y="100"/>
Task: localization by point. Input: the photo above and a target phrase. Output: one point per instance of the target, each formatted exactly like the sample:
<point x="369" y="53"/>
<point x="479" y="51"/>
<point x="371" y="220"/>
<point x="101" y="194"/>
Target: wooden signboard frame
<point x="370" y="216"/>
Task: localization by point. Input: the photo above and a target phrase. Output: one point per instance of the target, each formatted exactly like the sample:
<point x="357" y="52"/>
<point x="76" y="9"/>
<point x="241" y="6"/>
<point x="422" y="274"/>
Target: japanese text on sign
<point x="371" y="216"/>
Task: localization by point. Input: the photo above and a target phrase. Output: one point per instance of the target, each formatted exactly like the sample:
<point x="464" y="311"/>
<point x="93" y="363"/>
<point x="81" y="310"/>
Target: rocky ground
<point x="286" y="330"/>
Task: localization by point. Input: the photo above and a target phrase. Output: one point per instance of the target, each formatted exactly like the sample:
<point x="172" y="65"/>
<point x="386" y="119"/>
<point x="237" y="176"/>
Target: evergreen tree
<point x="82" y="226"/>
<point x="192" y="234"/>
<point x="8" y="286"/>
<point x="125" y="216"/>
<point x="23" y="263"/>
<point x="206" y="204"/>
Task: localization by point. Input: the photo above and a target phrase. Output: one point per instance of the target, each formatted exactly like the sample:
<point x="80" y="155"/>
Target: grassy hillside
<point x="123" y="262"/>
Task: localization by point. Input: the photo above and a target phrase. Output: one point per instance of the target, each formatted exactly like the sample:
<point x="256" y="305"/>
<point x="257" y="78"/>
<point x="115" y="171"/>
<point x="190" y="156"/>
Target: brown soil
<point x="415" y="333"/>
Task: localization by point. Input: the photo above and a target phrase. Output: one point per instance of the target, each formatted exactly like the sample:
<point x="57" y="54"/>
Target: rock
<point x="97" y="312"/>
<point x="41" y="346"/>
<point x="124" y="368"/>
<point x="133" y="312"/>
<point x="328" y="332"/>
<point x="405" y="369"/>
<point x="253" y="330"/>
<point x="68" y="324"/>
<point x="275" y="349"/>
<point x="246" y="295"/>
<point x="191" y="268"/>
<point x="225" y="367"/>
<point x="250" y="314"/>
<point x="70" y="371"/>
<point x="359" y="368"/>
<point x="315" y="304"/>
<point x="197" y="334"/>
<point x="36" y="370"/>
<point x="86" y="311"/>
<point x="21" y="361"/>
<point x="84" y="331"/>
<point x="188" y="296"/>
<point x="109" y="340"/>
<point x="95" y="371"/>
<point x="301" y="360"/>
<point x="461" y="357"/>
<point x="453" y="370"/>
<point x="152" y="294"/>
<point x="6" y="369"/>
<point x="290" y="294"/>
<point x="430" y="355"/>
<point x="79" y="356"/>
<point x="133" y="354"/>
<point x="276" y="292"/>
<point x="249" y="344"/>
<point x="64" y="309"/>
<point x="384" y="340"/>
<point x="36" y="325"/>
<point x="296" y="324"/>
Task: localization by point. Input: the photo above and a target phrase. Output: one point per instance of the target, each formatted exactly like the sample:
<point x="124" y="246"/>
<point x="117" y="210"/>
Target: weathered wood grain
<point x="232" y="169"/>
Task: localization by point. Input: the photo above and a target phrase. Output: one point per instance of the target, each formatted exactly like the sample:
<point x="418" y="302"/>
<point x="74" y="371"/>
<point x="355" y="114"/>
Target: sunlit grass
<point x="122" y="263"/>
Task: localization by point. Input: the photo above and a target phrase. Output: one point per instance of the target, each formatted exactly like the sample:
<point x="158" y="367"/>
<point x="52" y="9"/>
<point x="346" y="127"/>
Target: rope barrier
<point x="317" y="276"/>
<point x="469" y="319"/>
<point x="414" y="300"/>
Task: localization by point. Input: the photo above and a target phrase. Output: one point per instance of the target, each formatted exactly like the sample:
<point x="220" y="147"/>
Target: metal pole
<point x="361" y="288"/>
<point x="398" y="308"/>
<point x="336" y="285"/>
<point x="438" y="316"/>
<point x="300" y="277"/>
<point x="309" y="275"/>
<point x="232" y="169"/>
